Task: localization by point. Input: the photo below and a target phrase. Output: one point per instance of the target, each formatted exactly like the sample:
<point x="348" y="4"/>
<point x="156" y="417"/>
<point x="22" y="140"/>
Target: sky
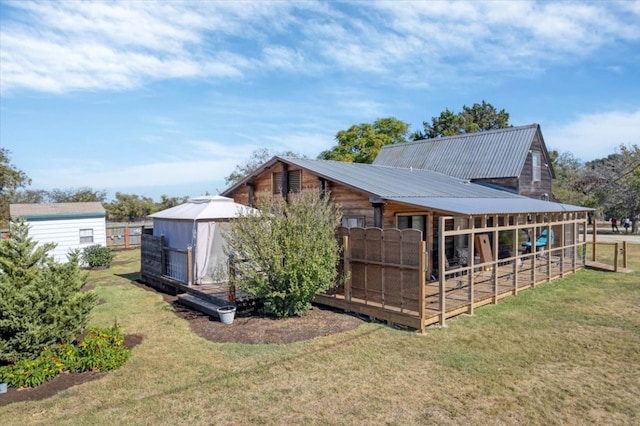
<point x="152" y="98"/>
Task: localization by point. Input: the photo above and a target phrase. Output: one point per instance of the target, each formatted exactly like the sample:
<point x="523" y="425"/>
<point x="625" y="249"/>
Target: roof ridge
<point x="462" y="135"/>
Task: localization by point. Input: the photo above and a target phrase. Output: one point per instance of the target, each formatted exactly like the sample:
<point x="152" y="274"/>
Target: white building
<point x="69" y="225"/>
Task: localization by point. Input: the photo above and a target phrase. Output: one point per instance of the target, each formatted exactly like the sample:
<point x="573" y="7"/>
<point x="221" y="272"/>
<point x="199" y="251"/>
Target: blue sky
<point x="154" y="98"/>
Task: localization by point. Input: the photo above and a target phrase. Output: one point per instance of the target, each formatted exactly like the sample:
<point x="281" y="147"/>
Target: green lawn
<point x="567" y="352"/>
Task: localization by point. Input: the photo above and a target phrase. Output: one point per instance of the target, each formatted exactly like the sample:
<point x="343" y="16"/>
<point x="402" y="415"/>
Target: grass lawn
<point x="567" y="352"/>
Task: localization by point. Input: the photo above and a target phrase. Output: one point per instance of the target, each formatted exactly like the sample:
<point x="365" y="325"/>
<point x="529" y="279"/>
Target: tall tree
<point x="569" y="171"/>
<point x="258" y="157"/>
<point x="76" y="195"/>
<point x="130" y="207"/>
<point x="11" y="178"/>
<point x="614" y="183"/>
<point x="477" y="118"/>
<point x="361" y="143"/>
<point x="41" y="301"/>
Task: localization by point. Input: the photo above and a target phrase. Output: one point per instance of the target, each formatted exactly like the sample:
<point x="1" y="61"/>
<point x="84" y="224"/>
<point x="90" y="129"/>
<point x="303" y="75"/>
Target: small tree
<point x="289" y="251"/>
<point x="41" y="302"/>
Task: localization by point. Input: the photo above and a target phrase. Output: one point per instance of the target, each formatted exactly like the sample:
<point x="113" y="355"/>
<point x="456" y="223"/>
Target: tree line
<point x="611" y="185"/>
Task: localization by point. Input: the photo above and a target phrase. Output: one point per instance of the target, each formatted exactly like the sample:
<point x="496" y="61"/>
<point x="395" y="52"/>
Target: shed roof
<point x="204" y="208"/>
<point x="482" y="155"/>
<point x="57" y="210"/>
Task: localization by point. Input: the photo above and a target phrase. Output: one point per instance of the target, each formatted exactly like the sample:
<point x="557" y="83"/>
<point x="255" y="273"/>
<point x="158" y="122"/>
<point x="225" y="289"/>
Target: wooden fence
<point x="125" y="235"/>
<point x="385" y="273"/>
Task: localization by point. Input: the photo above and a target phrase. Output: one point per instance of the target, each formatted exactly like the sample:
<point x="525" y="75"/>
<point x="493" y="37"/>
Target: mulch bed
<point x="249" y="329"/>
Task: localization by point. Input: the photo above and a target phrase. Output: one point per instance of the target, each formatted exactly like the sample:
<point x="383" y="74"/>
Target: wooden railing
<point x="156" y="260"/>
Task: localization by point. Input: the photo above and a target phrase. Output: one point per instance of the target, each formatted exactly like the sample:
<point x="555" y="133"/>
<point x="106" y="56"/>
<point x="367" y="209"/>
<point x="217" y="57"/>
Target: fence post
<point x="346" y="253"/>
<point x="624" y="254"/>
<point x="593" y="237"/>
<point x="189" y="265"/>
<point x="615" y="257"/>
<point x="126" y="237"/>
<point x="423" y="278"/>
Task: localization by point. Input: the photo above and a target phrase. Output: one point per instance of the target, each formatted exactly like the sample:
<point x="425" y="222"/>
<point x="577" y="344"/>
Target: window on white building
<point x="86" y="236"/>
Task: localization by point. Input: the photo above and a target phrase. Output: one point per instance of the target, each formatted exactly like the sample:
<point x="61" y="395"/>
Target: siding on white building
<point x="62" y="223"/>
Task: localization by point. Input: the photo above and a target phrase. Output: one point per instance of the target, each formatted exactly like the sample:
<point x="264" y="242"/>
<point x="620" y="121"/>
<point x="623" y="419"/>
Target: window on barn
<point x="353" y="221"/>
<point x="86" y="236"/>
<point x="418" y="222"/>
<point x="276" y="182"/>
<point x="295" y="181"/>
<point x="536" y="164"/>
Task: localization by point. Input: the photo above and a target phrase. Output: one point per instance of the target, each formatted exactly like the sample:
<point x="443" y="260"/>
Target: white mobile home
<point x="69" y="225"/>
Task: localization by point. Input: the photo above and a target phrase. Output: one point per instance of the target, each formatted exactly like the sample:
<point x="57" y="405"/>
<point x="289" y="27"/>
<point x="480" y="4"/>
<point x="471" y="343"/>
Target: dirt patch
<point x="260" y="329"/>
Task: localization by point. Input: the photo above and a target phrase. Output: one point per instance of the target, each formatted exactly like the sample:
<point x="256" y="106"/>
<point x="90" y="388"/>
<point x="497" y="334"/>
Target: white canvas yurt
<point x="200" y="223"/>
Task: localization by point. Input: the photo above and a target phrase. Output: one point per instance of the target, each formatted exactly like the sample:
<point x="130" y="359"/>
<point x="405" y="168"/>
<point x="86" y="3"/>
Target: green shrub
<point x="291" y="251"/>
<point x="102" y="349"/>
<point x="97" y="256"/>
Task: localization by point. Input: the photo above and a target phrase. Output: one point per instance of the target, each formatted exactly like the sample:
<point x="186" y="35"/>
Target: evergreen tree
<point x="41" y="302"/>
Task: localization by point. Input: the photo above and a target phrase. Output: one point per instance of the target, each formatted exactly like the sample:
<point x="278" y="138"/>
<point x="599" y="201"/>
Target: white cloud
<point x="62" y="46"/>
<point x="593" y="136"/>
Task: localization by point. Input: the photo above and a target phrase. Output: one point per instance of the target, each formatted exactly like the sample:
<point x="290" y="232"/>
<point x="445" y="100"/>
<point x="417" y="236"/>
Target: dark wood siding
<point x="527" y="187"/>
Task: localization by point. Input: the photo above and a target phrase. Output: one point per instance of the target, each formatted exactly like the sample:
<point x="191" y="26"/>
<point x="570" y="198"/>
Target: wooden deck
<point x="463" y="292"/>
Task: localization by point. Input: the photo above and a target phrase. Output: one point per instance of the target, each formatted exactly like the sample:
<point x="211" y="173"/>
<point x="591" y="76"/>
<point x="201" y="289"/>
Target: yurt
<point x="201" y="224"/>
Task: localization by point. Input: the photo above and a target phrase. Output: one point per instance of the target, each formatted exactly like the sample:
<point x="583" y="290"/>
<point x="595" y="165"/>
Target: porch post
<point x="441" y="270"/>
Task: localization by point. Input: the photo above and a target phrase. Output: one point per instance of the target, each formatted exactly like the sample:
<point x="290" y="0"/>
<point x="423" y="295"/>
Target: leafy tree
<point x="477" y="118"/>
<point x="258" y="157"/>
<point x="290" y="251"/>
<point x="129" y="207"/>
<point x="41" y="302"/>
<point x="167" y="202"/>
<point x="361" y="143"/>
<point x="569" y="171"/>
<point x="614" y="183"/>
<point x="76" y="195"/>
<point x="29" y="196"/>
<point x="11" y="178"/>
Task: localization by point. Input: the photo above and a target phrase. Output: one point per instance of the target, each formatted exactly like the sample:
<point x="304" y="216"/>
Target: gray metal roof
<point x="421" y="188"/>
<point x="482" y="155"/>
<point x="480" y="206"/>
<point x="388" y="182"/>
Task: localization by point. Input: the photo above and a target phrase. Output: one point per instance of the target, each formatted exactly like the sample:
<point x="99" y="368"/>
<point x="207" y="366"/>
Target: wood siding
<point x="527" y="187"/>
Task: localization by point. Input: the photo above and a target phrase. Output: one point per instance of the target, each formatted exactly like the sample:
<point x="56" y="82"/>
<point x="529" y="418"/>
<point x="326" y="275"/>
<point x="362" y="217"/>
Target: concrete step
<point x="200" y="304"/>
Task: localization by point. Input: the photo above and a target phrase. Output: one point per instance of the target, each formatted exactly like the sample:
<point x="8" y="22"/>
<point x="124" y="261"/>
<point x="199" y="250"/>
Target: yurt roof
<point x="204" y="208"/>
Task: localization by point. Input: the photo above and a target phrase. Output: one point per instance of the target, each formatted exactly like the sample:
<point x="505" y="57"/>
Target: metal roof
<point x="388" y="182"/>
<point x="425" y="188"/>
<point x="57" y="210"/>
<point x="480" y="206"/>
<point x="421" y="188"/>
<point x="482" y="155"/>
